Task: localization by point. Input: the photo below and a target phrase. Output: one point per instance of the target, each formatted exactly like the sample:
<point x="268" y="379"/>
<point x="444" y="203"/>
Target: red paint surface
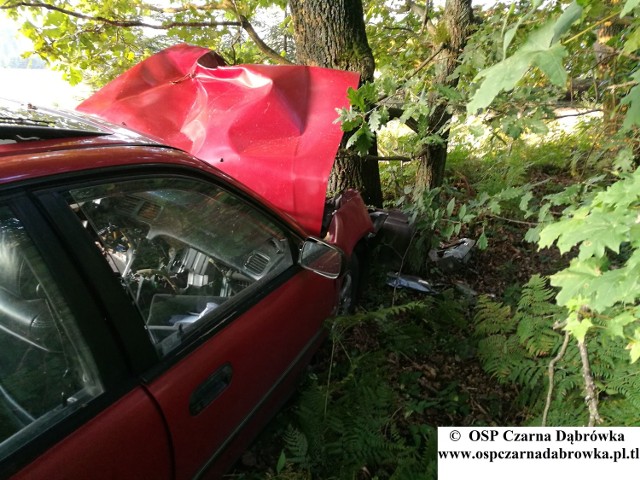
<point x="270" y="127"/>
<point x="127" y="440"/>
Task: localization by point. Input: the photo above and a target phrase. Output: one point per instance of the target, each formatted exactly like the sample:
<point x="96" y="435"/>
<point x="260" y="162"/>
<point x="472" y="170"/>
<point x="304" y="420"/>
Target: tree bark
<point x="331" y="33"/>
<point x="458" y="16"/>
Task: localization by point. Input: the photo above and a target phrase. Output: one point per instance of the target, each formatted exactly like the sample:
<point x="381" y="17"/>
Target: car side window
<point x="46" y="369"/>
<point x="181" y="248"/>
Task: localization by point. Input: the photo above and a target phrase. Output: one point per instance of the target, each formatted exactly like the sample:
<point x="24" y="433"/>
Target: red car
<point x="154" y="312"/>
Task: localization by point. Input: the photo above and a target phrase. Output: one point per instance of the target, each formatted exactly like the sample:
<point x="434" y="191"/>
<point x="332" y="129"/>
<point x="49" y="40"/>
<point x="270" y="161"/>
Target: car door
<point x="68" y="408"/>
<point x="217" y="291"/>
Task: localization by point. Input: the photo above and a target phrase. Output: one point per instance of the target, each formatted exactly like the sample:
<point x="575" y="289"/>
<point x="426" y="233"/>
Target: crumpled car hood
<point x="273" y="128"/>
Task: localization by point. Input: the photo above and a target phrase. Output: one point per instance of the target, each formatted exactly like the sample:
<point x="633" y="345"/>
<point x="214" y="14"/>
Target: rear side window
<point x="181" y="248"/>
<point x="46" y="369"/>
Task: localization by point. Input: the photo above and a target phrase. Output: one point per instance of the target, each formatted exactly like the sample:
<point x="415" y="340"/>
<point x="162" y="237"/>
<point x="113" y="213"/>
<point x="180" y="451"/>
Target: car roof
<point x="37" y="141"/>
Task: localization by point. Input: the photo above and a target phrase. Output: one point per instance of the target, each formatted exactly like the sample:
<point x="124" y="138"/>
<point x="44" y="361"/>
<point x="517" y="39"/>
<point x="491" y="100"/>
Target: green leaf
<point x="615" y="326"/>
<point x="634" y="346"/>
<point x="361" y="140"/>
<point x="73" y="76"/>
<point x="499" y="77"/>
<point x="601" y="230"/>
<point x="450" y="206"/>
<point x="541" y="49"/>
<point x="633" y="100"/>
<point x="462" y="213"/>
<point x="533" y="234"/>
<point x="550" y="62"/>
<point x="476" y="130"/>
<point x="541" y="39"/>
<point x="447" y="230"/>
<point x="282" y="461"/>
<point x="578" y="328"/>
<point x="576" y="280"/>
<point x="621" y="285"/>
<point x="628" y="6"/>
<point x="609" y="289"/>
<point x="508" y="37"/>
<point x="374" y="121"/>
<point x="356" y="98"/>
<point x="633" y="42"/>
<point x="621" y="195"/>
<point x="572" y="13"/>
<point x="594" y="233"/>
<point x="524" y="201"/>
<point x="482" y="243"/>
<point x="624" y="161"/>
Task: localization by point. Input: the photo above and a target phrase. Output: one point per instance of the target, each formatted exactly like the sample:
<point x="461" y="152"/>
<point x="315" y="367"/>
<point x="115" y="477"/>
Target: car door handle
<point x="210" y="389"/>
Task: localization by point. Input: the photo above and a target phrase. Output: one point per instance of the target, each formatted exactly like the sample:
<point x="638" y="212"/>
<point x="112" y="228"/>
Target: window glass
<point x="181" y="248"/>
<point x="46" y="370"/>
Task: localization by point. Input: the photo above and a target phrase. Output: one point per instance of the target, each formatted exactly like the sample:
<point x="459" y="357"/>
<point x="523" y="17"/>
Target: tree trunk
<point x="331" y="33"/>
<point x="606" y="61"/>
<point x="457" y="18"/>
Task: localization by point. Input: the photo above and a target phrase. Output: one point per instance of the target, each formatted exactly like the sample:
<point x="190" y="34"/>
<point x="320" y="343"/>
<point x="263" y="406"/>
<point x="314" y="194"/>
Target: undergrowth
<point x="498" y="163"/>
<point x="405" y="364"/>
<point x="370" y="408"/>
<point x="517" y="345"/>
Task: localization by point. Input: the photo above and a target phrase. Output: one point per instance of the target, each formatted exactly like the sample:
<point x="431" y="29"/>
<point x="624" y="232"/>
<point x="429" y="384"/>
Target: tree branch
<point x="242" y="22"/>
<point x="395" y="112"/>
<point x="631" y="83"/>
<point x="577" y="114"/>
<point x="117" y="23"/>
<point x="591" y="397"/>
<point x="399" y="158"/>
<point x="552" y="365"/>
<point x="513" y="220"/>
<point x="263" y="47"/>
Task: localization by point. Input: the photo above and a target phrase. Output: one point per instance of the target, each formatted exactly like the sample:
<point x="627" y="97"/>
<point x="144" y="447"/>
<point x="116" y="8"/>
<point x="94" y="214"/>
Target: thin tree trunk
<point x="591" y="392"/>
<point x="458" y="16"/>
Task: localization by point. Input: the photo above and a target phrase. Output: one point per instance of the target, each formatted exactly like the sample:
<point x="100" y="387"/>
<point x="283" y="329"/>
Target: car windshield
<point x="21" y="123"/>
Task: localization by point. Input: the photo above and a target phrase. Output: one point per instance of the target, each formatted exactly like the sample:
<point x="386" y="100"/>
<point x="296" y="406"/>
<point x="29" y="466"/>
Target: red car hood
<point x="272" y="128"/>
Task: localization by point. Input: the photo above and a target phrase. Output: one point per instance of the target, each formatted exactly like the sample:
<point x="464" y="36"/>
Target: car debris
<point x="450" y="258"/>
<point x="413" y="282"/>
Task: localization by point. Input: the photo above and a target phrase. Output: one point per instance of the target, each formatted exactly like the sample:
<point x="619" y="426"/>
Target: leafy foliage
<point x="95" y="42"/>
<point x="541" y="49"/>
<point x="602" y="279"/>
<point x="348" y="423"/>
<point x="516" y="348"/>
<point x="600" y="218"/>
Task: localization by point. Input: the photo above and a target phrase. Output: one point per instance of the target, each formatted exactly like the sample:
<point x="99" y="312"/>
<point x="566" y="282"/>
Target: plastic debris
<point x="452" y="257"/>
<point x="399" y="280"/>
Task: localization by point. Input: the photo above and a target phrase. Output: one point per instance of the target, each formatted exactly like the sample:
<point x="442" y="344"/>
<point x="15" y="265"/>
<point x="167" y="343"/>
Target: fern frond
<point x="296" y="444"/>
<point x="492" y="317"/>
<point x="535" y="317"/>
